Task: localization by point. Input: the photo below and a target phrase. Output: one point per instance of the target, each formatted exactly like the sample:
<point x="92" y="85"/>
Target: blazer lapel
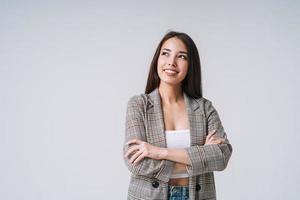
<point x="156" y="125"/>
<point x="196" y="120"/>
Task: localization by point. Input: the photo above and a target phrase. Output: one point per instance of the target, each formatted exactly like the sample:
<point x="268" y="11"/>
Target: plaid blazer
<point x="149" y="178"/>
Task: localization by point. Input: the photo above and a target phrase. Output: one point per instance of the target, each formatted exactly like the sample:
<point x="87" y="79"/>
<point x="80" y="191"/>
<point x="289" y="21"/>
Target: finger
<point x="212" y="131"/>
<point x="215" y="137"/>
<point x="137" y="141"/>
<point x="131" y="150"/>
<point x="139" y="158"/>
<point x="215" y="141"/>
<point x="223" y="141"/>
<point x="212" y="138"/>
<point x="135" y="156"/>
<point x="218" y="141"/>
<point x="210" y="134"/>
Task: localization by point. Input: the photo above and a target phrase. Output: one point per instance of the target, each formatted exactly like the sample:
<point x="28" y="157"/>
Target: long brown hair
<point x="192" y="83"/>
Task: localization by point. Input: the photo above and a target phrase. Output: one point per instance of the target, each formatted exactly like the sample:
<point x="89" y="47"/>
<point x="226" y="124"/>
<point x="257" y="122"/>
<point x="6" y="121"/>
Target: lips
<point x="170" y="71"/>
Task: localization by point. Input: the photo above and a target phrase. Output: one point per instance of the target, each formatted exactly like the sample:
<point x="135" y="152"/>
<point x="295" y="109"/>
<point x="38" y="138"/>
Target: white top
<point x="178" y="139"/>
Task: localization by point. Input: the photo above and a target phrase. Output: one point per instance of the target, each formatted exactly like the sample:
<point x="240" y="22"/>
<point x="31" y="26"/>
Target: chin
<point x="172" y="83"/>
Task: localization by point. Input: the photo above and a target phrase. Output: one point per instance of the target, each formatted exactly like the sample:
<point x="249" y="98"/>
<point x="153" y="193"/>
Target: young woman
<point x="174" y="139"/>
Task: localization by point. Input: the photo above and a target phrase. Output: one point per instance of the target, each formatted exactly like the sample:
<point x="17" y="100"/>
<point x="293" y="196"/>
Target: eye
<point x="183" y="57"/>
<point x="164" y="53"/>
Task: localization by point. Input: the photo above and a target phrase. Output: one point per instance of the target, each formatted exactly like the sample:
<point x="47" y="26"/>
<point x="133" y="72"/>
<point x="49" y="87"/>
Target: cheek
<point x="160" y="63"/>
<point x="185" y="68"/>
<point x="160" y="66"/>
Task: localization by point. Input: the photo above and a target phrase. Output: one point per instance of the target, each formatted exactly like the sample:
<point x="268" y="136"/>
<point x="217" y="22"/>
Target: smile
<point x="170" y="71"/>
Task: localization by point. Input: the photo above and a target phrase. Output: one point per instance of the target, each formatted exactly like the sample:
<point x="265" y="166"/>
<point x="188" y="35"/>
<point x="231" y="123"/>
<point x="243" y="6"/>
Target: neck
<point x="170" y="94"/>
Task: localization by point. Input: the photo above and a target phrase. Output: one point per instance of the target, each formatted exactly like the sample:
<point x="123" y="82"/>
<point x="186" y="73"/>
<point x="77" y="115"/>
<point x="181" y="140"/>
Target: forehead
<point x="174" y="44"/>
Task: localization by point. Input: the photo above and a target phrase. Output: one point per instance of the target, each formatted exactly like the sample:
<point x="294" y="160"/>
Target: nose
<point x="172" y="61"/>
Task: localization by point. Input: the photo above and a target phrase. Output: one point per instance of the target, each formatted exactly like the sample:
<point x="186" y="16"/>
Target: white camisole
<point x="178" y="139"/>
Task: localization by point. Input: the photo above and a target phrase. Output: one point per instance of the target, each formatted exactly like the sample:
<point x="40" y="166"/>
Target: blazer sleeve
<point x="135" y="128"/>
<point x="213" y="157"/>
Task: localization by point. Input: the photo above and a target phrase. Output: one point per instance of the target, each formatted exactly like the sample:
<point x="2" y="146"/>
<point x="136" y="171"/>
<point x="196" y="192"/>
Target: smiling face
<point x="172" y="63"/>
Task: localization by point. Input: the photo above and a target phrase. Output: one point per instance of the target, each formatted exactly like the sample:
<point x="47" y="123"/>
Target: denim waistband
<point x="178" y="191"/>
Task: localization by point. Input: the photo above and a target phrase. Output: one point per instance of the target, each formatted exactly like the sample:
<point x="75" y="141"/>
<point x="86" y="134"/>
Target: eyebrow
<point x="179" y="51"/>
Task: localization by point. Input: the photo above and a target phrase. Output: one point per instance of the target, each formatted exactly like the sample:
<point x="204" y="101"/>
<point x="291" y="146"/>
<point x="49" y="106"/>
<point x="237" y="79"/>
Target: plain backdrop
<point x="68" y="68"/>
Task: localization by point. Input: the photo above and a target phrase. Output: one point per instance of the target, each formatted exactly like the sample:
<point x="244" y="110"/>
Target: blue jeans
<point x="178" y="192"/>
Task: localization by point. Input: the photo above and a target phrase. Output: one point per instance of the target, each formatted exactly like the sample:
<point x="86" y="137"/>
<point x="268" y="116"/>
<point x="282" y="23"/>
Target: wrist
<point x="163" y="153"/>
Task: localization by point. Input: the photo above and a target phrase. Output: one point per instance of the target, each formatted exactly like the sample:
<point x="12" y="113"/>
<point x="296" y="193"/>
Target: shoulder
<point x="139" y="100"/>
<point x="137" y="103"/>
<point x="206" y="101"/>
<point x="205" y="105"/>
<point x="203" y="102"/>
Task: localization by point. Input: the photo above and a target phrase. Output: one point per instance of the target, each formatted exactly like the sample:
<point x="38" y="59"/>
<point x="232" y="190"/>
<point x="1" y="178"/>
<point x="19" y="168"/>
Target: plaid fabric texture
<point x="149" y="178"/>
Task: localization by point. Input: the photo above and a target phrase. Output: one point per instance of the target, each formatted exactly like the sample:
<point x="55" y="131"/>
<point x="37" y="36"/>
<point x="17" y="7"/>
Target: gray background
<point x="68" y="68"/>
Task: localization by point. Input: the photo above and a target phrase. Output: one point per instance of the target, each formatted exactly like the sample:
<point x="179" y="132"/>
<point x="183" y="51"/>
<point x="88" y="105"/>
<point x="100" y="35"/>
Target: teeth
<point x="170" y="71"/>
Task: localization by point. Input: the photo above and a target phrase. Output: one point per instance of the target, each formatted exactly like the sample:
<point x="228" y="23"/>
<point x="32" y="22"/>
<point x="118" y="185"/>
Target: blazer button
<point x="198" y="187"/>
<point x="155" y="184"/>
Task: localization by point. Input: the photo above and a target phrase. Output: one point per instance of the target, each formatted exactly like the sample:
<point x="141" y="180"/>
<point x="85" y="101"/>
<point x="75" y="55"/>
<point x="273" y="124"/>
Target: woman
<point x="174" y="139"/>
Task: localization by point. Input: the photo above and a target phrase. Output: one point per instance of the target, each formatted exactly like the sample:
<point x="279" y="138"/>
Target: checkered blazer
<point x="149" y="178"/>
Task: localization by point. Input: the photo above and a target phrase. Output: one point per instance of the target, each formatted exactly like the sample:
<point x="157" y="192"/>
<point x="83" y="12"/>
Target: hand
<point x="141" y="149"/>
<point x="211" y="138"/>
